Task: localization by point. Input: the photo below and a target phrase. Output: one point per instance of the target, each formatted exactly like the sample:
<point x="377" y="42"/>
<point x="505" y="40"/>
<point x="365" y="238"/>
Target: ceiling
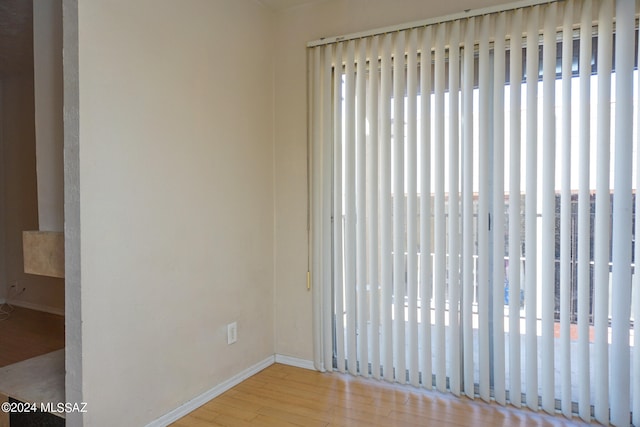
<point x="16" y="37"/>
<point x="278" y="5"/>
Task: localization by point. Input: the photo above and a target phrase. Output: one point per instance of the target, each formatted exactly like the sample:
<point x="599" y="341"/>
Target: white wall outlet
<point x="232" y="332"/>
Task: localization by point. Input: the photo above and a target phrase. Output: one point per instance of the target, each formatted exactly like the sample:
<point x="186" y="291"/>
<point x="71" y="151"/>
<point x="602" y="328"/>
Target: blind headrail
<point x="468" y="13"/>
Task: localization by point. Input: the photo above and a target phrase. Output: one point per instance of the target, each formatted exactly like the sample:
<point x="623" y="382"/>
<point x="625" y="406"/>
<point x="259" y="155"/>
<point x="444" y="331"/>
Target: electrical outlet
<point x="16" y="289"/>
<point x="232" y="332"/>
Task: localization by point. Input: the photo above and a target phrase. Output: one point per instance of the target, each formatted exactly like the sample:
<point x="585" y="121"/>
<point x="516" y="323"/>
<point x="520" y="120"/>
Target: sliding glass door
<point x="474" y="206"/>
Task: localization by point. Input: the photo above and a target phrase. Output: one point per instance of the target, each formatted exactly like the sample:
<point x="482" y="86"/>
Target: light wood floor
<point x="287" y="396"/>
<point x="29" y="333"/>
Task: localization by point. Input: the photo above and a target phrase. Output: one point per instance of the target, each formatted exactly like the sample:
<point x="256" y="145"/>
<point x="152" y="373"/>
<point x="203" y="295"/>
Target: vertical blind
<point x="474" y="206"/>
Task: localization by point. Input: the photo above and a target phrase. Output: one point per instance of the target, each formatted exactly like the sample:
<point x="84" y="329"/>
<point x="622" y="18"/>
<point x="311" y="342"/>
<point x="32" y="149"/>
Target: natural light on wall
<point x="474" y="206"/>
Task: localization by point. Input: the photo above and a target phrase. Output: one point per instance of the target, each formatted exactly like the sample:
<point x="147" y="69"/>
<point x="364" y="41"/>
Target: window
<point x="473" y="204"/>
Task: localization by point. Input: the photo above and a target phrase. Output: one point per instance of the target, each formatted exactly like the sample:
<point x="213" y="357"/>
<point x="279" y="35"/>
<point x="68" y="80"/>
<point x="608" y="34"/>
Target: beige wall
<point x="192" y="192"/>
<point x="296" y="27"/>
<point x="176" y="200"/>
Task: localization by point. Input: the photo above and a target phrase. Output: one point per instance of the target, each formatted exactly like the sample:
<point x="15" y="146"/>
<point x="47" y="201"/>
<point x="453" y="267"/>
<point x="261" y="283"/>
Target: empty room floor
<point x="286" y="396"/>
<point x="28" y="333"/>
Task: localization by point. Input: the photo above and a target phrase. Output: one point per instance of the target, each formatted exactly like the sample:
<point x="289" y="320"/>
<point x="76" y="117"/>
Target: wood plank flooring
<point x="286" y="396"/>
<point x="29" y="333"/>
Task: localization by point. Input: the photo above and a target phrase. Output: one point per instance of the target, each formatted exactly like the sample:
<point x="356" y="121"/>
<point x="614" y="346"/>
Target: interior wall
<point x="47" y="57"/>
<point x="73" y="275"/>
<point x="295" y="27"/>
<point x="20" y="198"/>
<point x="3" y="240"/>
<point x="176" y="200"/>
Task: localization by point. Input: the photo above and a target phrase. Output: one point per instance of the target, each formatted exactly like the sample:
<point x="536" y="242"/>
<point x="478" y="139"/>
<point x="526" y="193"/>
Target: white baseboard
<point x="198" y="401"/>
<point x="37" y="307"/>
<point x="294" y="361"/>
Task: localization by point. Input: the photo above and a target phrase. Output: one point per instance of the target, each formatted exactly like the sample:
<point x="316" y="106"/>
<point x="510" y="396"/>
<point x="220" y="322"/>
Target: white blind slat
<point x="412" y="210"/>
<point x="565" y="212"/>
<point x="320" y="202"/>
<point x="361" y="225"/>
<point x="584" y="210"/>
<point x="468" y="234"/>
<point x="385" y="208"/>
<point x="323" y="278"/>
<point x="398" y="208"/>
<point x="372" y="212"/>
<point x="498" y="219"/>
<point x="515" y="126"/>
<point x="603" y="216"/>
<point x="636" y="276"/>
<point x="484" y="77"/>
<point x="621" y="252"/>
<point x="531" y="214"/>
<point x="548" y="208"/>
<point x="337" y="206"/>
<point x="439" y="278"/>
<point x="350" y="207"/>
<point x="454" y="208"/>
<point x="425" y="208"/>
